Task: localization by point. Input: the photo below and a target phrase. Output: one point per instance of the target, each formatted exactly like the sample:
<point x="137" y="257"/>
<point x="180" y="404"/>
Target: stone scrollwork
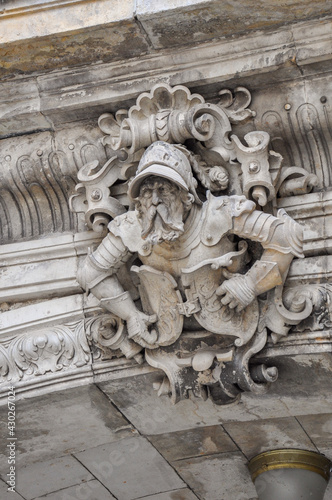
<point x="54" y="349"/>
<point x="108" y="337"/>
<point x="189" y="208"/>
<point x="312" y="302"/>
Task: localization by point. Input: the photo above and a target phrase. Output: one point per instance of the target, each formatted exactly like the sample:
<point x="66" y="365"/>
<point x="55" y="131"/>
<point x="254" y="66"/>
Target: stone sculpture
<point x="194" y="261"/>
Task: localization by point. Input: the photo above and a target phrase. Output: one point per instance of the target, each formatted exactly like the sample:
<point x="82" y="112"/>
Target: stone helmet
<point x="165" y="160"/>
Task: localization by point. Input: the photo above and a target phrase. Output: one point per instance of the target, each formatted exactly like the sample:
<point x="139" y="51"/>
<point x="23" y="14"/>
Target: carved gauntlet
<point x="240" y="290"/>
<point x="137" y="322"/>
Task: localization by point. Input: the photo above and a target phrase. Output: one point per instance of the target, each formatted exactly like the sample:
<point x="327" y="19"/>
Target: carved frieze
<point x="51" y="349"/>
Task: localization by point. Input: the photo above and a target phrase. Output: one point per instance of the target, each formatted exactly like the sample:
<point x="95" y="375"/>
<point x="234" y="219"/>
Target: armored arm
<point x="98" y="274"/>
<point x="281" y="238"/>
<point x="98" y="271"/>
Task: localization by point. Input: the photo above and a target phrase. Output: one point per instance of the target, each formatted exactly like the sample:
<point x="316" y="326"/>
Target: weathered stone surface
<point x="38" y="175"/>
<point x="130" y="468"/>
<point x="314" y="212"/>
<point x="111" y="42"/>
<point x="319" y="428"/>
<point x="43" y="19"/>
<point x="256" y="437"/>
<point x="201" y="21"/>
<point x="193" y="443"/>
<point x="183" y="494"/>
<point x="138" y="401"/>
<point x="29" y="272"/>
<point x="71" y="34"/>
<point x="62" y="423"/>
<point x="220" y="477"/>
<point x="292" y="387"/>
<point x="81" y="93"/>
<point x="5" y="494"/>
<point x="90" y="490"/>
<point x="45" y="477"/>
<point x="290" y="396"/>
<point x="319" y="32"/>
<point x="42" y="313"/>
<point x="23" y="99"/>
<point x="74" y="421"/>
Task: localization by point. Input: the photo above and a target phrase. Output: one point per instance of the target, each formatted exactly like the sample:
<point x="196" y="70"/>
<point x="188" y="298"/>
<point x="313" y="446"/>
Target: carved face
<point x="162" y="206"/>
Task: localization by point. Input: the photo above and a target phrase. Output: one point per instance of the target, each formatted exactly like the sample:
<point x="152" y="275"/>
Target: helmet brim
<point x="156" y="170"/>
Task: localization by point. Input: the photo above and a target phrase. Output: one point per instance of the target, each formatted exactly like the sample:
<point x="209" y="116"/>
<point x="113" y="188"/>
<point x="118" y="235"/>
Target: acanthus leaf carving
<point x="49" y="350"/>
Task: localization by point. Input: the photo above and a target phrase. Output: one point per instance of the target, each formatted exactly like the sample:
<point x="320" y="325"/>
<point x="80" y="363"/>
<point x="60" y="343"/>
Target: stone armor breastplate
<point x="180" y="280"/>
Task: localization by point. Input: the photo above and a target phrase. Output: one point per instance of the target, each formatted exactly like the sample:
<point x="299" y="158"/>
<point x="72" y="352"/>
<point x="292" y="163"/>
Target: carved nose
<point x="155" y="198"/>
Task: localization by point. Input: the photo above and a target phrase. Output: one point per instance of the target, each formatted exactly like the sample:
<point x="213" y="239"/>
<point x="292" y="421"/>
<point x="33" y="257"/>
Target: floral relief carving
<point x="53" y="349"/>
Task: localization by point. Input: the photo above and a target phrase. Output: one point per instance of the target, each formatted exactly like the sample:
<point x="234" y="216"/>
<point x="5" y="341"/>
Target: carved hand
<point x="238" y="292"/>
<point x="137" y="325"/>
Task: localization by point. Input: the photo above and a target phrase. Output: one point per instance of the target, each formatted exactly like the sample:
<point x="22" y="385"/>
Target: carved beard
<point x="161" y="223"/>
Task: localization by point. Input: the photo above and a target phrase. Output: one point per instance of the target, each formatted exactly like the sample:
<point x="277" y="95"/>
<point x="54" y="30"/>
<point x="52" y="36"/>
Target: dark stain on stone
<point x="105" y="44"/>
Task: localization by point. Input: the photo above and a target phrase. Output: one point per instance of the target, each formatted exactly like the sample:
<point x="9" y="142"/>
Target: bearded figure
<point x="193" y="269"/>
<point x="162" y="208"/>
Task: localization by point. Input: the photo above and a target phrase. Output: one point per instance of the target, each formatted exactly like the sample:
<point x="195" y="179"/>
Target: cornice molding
<point x="41" y="269"/>
<point x="30" y="104"/>
<point x="25" y="7"/>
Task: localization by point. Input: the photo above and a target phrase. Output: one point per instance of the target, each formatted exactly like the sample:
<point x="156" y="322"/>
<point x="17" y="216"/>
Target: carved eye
<point x="146" y="192"/>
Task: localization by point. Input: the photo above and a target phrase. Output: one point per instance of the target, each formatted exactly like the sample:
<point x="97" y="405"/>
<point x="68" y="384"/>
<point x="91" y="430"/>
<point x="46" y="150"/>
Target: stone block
<point x="258" y="436"/>
<point x="312" y="51"/>
<point x="183" y="494"/>
<point x="319" y="428"/>
<point x="43" y="279"/>
<point x="45" y="477"/>
<point x="130" y="468"/>
<point x="109" y="41"/>
<point x="37" y="315"/>
<point x="193" y="443"/>
<point x="41" y="20"/>
<point x="5" y="494"/>
<point x="149" y="7"/>
<point x="218" y="477"/>
<point x="20" y="99"/>
<point x="293" y="389"/>
<point x="201" y="21"/>
<point x="152" y="415"/>
<point x="90" y="490"/>
<point x="64" y="422"/>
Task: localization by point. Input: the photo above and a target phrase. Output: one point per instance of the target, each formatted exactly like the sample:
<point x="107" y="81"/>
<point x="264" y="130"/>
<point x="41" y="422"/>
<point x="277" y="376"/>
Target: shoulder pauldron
<point x="220" y="214"/>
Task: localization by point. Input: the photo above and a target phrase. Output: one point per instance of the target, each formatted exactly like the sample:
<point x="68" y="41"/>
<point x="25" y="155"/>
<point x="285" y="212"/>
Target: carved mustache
<point x="169" y="221"/>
